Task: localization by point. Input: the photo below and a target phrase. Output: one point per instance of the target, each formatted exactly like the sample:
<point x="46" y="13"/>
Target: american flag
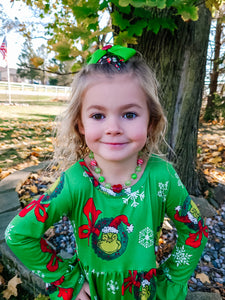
<point x="3" y="48"/>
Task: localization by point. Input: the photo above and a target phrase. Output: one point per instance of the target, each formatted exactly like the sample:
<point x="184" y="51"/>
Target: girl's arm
<point x="174" y="274"/>
<point x="24" y="235"/>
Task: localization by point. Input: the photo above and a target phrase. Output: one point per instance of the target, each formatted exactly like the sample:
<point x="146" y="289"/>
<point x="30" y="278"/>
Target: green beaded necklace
<point x="117" y="188"/>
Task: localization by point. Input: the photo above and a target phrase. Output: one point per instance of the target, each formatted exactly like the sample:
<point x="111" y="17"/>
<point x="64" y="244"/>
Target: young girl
<point x="116" y="194"/>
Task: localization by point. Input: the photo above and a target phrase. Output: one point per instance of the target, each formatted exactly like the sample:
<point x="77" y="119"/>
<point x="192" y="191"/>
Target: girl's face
<point x="115" y="117"/>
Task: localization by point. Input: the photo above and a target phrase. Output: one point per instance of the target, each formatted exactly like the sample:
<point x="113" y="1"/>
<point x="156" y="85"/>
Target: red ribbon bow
<point x="53" y="263"/>
<point x="86" y="230"/>
<point x="195" y="239"/>
<point x="129" y="282"/>
<point x="38" y="209"/>
<point x="66" y="294"/>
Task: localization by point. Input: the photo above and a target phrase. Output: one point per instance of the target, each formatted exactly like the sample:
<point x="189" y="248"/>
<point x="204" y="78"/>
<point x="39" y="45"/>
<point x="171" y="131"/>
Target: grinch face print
<point x="109" y="243"/>
<point x="141" y="284"/>
<point x="109" y="236"/>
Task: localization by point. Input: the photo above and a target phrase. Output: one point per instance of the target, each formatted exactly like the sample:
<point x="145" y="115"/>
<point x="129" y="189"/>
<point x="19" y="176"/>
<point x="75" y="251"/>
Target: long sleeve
<point x="24" y="235"/>
<point x="175" y="272"/>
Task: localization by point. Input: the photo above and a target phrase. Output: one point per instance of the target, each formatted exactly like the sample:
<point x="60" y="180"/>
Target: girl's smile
<point x="115" y="118"/>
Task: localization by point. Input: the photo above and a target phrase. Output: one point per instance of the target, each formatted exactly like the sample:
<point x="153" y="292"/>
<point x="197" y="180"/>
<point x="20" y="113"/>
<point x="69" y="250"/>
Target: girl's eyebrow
<point x="127" y="106"/>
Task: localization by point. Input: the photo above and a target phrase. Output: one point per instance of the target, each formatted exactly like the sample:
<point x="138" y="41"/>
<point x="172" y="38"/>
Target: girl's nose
<point x="113" y="126"/>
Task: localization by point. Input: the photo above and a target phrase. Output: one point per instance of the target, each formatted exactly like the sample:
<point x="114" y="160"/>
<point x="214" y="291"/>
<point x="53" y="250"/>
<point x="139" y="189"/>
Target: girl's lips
<point x="114" y="144"/>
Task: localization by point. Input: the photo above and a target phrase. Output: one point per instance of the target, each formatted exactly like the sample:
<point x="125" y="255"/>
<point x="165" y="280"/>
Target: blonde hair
<point x="70" y="143"/>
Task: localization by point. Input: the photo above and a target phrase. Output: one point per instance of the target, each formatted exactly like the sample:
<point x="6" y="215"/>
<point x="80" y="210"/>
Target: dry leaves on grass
<point x="24" y="141"/>
<point x="12" y="287"/>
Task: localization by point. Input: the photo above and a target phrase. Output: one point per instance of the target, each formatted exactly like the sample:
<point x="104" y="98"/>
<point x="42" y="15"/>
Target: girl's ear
<point x="80" y="127"/>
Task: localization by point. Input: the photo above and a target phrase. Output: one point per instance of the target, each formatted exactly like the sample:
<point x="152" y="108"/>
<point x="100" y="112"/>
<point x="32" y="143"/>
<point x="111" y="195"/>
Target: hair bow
<point x="117" y="50"/>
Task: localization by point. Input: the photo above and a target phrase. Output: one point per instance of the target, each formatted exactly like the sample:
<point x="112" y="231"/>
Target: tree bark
<point x="179" y="60"/>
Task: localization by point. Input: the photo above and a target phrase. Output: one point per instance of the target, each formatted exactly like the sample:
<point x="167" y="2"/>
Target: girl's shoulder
<point x="76" y="173"/>
<point x="157" y="161"/>
<point x="159" y="166"/>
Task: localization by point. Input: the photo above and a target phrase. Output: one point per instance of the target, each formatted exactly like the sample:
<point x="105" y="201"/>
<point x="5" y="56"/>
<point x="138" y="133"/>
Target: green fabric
<point x="122" y="52"/>
<point x="116" y="236"/>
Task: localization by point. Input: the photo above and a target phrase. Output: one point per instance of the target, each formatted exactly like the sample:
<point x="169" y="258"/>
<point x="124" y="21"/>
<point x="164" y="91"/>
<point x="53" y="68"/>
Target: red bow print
<point x="38" y="208"/>
<point x="150" y="274"/>
<point x="195" y="239"/>
<point x="53" y="264"/>
<point x="66" y="294"/>
<point x="130" y="281"/>
<point x="86" y="230"/>
<point x="59" y="281"/>
<point x="183" y="219"/>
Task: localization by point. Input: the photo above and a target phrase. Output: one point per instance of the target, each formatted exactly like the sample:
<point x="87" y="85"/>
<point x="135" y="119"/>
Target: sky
<point x="14" y="39"/>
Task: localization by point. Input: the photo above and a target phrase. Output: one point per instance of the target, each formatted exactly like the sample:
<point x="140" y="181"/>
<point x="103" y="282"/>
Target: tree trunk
<point x="215" y="73"/>
<point x="179" y="60"/>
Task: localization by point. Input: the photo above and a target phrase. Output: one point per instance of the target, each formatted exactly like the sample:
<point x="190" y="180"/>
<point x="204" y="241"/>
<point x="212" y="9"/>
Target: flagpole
<point x="8" y="74"/>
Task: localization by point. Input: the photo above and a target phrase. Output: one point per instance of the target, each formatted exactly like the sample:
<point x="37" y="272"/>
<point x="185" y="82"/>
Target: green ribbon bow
<point x="119" y="51"/>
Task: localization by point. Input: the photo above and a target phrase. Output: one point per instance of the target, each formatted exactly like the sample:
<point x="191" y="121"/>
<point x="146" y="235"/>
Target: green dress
<point x="116" y="236"/>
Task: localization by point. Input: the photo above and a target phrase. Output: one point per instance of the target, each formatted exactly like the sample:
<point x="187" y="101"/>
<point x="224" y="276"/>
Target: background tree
<point x="26" y="68"/>
<point x="215" y="106"/>
<point x="173" y="37"/>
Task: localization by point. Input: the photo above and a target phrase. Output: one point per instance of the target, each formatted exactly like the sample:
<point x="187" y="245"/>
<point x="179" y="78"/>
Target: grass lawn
<point x="26" y="130"/>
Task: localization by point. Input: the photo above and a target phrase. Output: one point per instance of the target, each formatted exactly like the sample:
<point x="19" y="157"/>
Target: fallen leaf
<point x="34" y="189"/>
<point x="203" y="277"/>
<point x="215" y="160"/>
<point x="12" y="287"/>
<point x="1" y="268"/>
<point x="5" y="174"/>
<point x="2" y="280"/>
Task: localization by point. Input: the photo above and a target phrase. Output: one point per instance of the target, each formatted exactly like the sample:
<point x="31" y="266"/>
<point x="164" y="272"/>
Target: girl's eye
<point x="98" y="116"/>
<point x="130" y="115"/>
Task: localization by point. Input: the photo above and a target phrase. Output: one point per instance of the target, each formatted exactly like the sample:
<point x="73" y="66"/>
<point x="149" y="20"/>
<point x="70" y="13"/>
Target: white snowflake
<point x="86" y="274"/>
<point x="85" y="174"/>
<point x="167" y="272"/>
<point x="146" y="237"/>
<point x="112" y="287"/>
<point x="179" y="183"/>
<point x="133" y="197"/>
<point x="7" y="232"/>
<point x="38" y="273"/>
<point x="181" y="257"/>
<point x="163" y="187"/>
<point x="81" y="279"/>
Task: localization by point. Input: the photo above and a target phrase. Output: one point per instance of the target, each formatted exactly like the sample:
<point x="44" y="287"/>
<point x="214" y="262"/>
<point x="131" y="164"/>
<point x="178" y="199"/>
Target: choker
<point x="117" y="188"/>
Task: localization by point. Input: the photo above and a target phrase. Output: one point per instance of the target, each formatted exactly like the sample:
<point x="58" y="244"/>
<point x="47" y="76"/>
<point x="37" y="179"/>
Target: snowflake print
<point x="112" y="287"/>
<point x="167" y="272"/>
<point x="38" y="273"/>
<point x="85" y="174"/>
<point x="81" y="279"/>
<point x="133" y="197"/>
<point x="179" y="183"/>
<point x="146" y="237"/>
<point x="181" y="257"/>
<point x="7" y="232"/>
<point x="162" y="190"/>
<point x="86" y="274"/>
